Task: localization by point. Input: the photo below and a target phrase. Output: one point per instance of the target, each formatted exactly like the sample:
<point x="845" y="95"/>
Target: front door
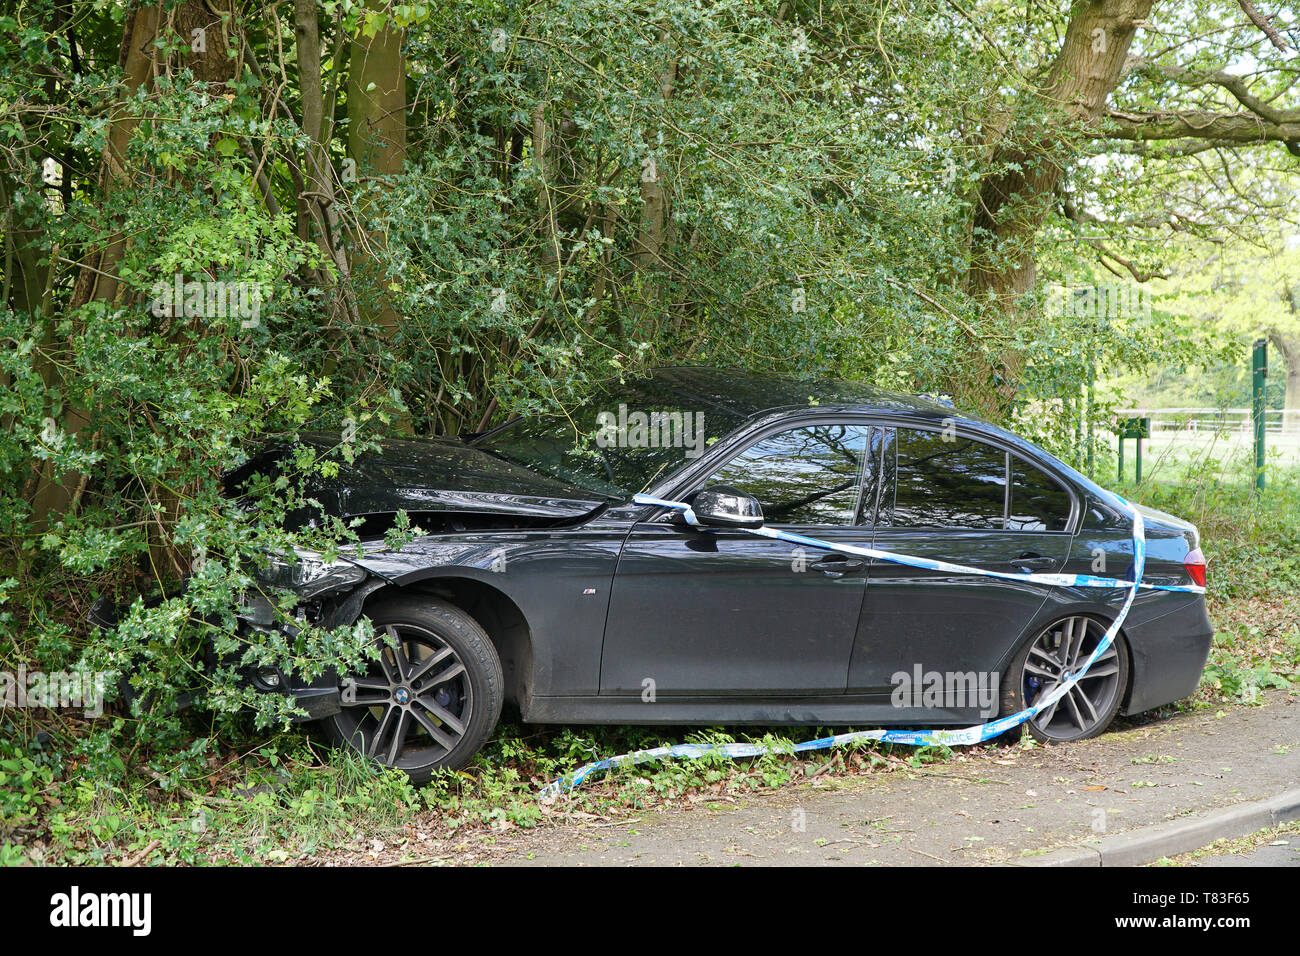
<point x="725" y="613"/>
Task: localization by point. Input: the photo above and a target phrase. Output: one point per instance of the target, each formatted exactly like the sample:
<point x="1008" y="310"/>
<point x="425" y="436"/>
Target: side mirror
<point x="721" y="506"/>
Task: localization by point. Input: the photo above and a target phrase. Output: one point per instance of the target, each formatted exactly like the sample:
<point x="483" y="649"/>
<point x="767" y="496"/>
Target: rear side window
<point x="1038" y="501"/>
<point x="947" y="481"/>
<point x="944" y="480"/>
<point x="802" y="476"/>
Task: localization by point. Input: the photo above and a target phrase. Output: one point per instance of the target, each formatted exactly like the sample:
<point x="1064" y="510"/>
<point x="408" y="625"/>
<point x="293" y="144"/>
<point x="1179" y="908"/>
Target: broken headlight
<point x="308" y="574"/>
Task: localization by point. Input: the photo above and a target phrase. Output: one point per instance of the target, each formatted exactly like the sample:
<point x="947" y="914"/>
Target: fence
<point x="1187" y="434"/>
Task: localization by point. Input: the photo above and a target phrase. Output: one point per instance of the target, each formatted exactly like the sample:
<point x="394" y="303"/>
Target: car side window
<point x="808" y="475"/>
<point x="943" y="480"/>
<point x="1038" y="501"/>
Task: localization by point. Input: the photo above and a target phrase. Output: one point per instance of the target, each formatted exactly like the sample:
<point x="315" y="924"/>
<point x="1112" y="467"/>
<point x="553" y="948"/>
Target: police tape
<point x="917" y="738"/>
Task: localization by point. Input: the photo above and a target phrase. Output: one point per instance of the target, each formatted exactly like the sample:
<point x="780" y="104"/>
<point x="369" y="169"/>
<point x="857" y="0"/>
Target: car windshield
<point x="621" y="441"/>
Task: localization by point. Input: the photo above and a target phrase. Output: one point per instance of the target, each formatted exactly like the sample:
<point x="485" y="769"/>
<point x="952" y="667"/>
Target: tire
<point x="1090" y="707"/>
<point x="433" y="702"/>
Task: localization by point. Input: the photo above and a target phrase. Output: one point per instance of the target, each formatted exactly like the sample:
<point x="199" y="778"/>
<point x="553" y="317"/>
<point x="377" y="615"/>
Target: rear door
<point x="958" y="498"/>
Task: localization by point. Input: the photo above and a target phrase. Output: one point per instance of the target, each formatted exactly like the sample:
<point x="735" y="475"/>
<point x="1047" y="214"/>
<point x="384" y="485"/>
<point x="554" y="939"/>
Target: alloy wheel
<point x="1054" y="656"/>
<point x="414" y="705"/>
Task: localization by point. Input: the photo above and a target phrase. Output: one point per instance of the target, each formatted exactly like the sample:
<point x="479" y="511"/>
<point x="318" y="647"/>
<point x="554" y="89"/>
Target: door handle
<point x="836" y="567"/>
<point x="1034" y="562"/>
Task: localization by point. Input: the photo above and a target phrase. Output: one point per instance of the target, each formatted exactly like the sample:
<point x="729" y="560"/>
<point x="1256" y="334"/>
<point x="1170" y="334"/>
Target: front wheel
<point x="1087" y="709"/>
<point x="431" y="700"/>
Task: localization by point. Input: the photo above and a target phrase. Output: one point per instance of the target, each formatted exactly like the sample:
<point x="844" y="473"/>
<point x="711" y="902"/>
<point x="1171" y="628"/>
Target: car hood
<point x="430" y="475"/>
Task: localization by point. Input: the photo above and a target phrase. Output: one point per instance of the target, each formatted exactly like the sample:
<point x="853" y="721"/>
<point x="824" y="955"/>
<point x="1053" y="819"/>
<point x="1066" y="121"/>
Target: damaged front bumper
<point x="325" y="606"/>
<point x="320" y="697"/>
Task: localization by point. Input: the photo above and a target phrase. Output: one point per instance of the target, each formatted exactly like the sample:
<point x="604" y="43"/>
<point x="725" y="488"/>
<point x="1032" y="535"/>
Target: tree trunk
<point x="50" y="494"/>
<point x="98" y="280"/>
<point x="377" y="134"/>
<point x="1029" y="159"/>
<point x="543" y="158"/>
<point x="1288" y="344"/>
<point x="317" y="203"/>
<point x="648" y="250"/>
<point x="204" y="28"/>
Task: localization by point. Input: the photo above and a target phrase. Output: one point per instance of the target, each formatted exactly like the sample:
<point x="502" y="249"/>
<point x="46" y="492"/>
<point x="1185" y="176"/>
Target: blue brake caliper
<point x="1032" y="686"/>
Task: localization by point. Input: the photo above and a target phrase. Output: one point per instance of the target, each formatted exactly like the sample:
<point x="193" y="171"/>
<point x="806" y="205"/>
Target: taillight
<point x="1195" y="565"/>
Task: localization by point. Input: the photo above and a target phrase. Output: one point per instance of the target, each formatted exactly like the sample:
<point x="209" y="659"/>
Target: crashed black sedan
<point x="538" y="581"/>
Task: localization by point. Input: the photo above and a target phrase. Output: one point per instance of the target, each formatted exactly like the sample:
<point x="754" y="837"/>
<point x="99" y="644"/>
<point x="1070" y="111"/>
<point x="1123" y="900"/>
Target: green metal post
<point x="1121" y="456"/>
<point x="1077" y="402"/>
<point x="1137" y="461"/>
<point x="1259" y="371"/>
<point x="1089" y="399"/>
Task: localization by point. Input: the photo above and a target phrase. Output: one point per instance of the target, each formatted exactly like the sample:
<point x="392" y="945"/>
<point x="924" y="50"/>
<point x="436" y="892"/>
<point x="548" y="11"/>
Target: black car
<point x="538" y="580"/>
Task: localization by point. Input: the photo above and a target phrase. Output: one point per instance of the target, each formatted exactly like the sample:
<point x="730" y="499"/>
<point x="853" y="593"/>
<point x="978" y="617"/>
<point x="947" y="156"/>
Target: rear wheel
<point x="431" y="700"/>
<point x="1059" y="651"/>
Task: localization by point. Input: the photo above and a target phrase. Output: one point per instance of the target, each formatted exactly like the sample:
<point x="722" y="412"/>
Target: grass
<point x="1252" y="545"/>
<point x="288" y="799"/>
<point x="1286" y="833"/>
<point x="291" y="799"/>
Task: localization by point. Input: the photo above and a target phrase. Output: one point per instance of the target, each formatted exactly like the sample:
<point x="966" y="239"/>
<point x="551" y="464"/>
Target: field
<point x="1222" y="437"/>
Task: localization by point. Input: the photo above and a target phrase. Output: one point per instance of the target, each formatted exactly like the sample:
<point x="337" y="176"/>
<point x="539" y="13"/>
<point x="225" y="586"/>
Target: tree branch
<point x="1238" y="128"/>
<point x="1236" y="85"/>
<point x="1263" y="23"/>
<point x="1072" y="212"/>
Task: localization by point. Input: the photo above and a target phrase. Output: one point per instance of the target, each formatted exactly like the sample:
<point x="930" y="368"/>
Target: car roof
<point x="747" y="394"/>
<point x="750" y="395"/>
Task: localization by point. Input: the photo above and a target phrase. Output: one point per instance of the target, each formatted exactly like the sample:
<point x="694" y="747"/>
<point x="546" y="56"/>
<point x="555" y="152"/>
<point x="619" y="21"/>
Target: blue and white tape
<point x="918" y="738"/>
